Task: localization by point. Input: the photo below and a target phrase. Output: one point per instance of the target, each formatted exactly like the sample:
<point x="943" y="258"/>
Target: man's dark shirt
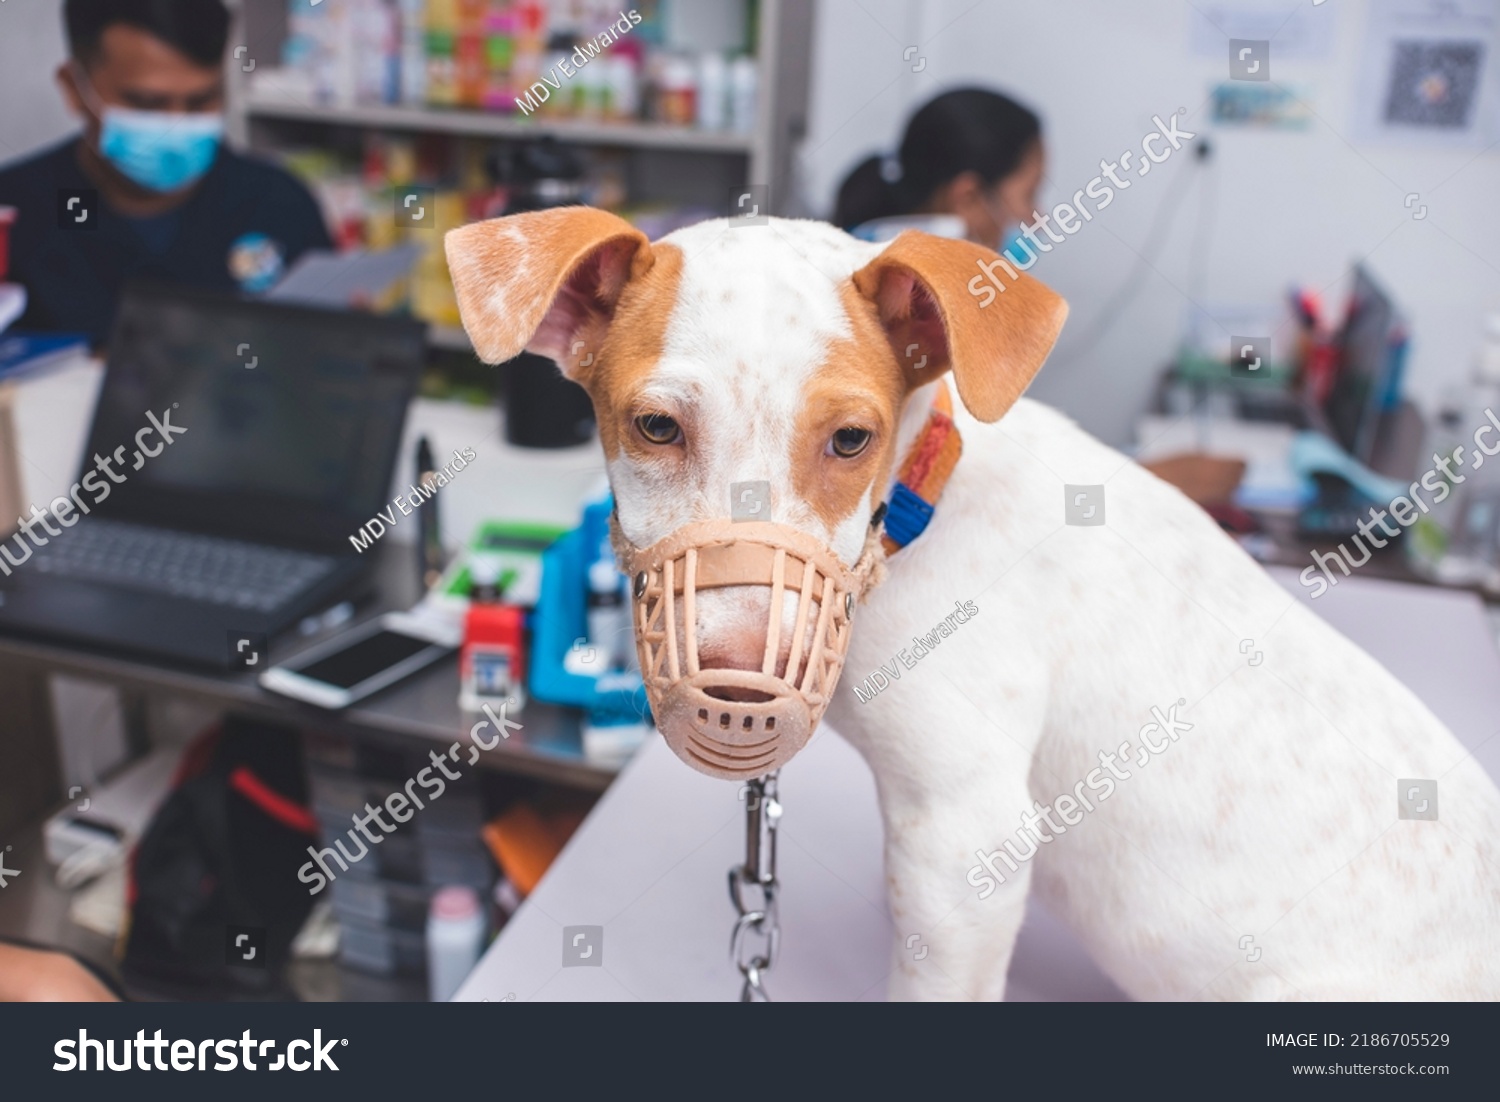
<point x="246" y="223"/>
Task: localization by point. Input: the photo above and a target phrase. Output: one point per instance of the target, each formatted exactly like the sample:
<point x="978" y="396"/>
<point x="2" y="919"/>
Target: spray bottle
<point x="1459" y="542"/>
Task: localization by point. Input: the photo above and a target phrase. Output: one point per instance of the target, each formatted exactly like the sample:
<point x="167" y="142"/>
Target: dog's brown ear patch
<point x="920" y="288"/>
<point x="532" y="281"/>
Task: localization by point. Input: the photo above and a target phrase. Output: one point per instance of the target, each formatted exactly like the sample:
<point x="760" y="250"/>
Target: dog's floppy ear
<point x="532" y="281"/>
<point x="922" y="289"/>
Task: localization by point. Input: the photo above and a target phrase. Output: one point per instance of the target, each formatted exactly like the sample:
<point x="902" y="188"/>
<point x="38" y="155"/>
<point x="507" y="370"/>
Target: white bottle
<point x="342" y="28"/>
<point x="608" y="618"/>
<point x="375" y="51"/>
<point x="1428" y="541"/>
<point x="1471" y="547"/>
<point x="455" y="940"/>
<point x="412" y="31"/>
<point x="624" y="88"/>
<point x="713" y="92"/>
<point x="744" y="85"/>
<point x="594" y="90"/>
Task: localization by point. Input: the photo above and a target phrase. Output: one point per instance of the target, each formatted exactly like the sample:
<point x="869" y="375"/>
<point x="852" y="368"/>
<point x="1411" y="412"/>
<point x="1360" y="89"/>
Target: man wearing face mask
<point x="148" y="189"/>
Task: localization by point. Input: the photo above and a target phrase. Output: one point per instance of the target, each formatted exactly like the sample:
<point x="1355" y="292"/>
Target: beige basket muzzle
<point x="695" y="709"/>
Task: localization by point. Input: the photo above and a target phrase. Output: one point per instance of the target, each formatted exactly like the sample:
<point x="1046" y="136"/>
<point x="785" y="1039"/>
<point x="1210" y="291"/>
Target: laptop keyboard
<point x="211" y="569"/>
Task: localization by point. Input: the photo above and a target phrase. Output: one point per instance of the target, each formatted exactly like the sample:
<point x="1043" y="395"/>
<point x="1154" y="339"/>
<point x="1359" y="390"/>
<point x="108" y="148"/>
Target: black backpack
<point x="214" y="901"/>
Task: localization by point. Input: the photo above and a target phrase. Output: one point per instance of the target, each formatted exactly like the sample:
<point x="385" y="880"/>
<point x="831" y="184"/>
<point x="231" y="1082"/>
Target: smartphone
<point x="363" y="660"/>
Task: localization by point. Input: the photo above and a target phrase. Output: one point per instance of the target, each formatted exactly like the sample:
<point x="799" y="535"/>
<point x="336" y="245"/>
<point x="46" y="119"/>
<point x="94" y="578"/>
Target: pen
<point x="430" y="536"/>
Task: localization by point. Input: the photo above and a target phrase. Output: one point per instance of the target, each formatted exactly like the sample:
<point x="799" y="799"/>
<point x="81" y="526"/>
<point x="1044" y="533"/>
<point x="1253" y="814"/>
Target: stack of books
<point x="381" y="896"/>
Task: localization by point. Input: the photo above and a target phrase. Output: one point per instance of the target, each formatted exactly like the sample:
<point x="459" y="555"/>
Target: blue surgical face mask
<point x="159" y="150"/>
<point x="1008" y="239"/>
<point x="1010" y="232"/>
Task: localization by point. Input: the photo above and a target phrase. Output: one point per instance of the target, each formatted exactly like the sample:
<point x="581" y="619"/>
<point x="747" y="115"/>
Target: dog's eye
<point x="849" y="442"/>
<point x="658" y="428"/>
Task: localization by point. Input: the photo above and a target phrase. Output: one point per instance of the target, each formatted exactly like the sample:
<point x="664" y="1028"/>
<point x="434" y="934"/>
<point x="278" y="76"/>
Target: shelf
<point x="493" y="125"/>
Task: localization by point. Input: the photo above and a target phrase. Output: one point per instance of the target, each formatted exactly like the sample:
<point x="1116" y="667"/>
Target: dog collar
<point x="924" y="474"/>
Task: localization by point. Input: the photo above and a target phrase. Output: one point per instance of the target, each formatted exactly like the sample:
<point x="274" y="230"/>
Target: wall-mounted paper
<point x="1429" y="74"/>
<point x="1265" y="106"/>
<point x="1304" y="32"/>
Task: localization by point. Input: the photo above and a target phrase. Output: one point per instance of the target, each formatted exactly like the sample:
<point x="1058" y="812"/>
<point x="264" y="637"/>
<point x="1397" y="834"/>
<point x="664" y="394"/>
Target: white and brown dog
<point x="1212" y="823"/>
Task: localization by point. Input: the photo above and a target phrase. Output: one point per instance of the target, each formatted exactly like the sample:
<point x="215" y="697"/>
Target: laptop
<point x="284" y="422"/>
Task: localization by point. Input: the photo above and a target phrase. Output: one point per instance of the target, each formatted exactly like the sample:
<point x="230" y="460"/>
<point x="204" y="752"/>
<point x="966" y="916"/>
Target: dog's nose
<point x="741" y="653"/>
<point x="732" y="633"/>
<point x="732" y="653"/>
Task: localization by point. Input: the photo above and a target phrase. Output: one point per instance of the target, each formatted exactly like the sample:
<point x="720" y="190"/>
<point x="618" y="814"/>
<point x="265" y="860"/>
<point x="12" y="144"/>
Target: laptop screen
<point x="1353" y="406"/>
<point x="290" y="417"/>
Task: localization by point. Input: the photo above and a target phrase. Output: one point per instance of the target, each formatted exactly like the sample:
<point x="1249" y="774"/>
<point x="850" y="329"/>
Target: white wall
<point x="1291" y="206"/>
<point x="31" y="47"/>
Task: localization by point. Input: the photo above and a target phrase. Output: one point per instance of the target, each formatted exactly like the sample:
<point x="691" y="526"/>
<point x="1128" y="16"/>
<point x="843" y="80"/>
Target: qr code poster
<point x="1431" y="73"/>
<point x="1434" y="84"/>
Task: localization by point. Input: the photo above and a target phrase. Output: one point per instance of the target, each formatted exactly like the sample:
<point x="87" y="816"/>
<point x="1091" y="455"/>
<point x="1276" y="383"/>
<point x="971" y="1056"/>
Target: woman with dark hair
<point x="970" y="162"/>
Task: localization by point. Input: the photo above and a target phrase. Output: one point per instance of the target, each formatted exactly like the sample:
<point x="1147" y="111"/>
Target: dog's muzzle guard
<point x="734" y="723"/>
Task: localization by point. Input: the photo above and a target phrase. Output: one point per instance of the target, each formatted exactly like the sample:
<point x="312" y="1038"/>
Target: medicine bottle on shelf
<point x="442" y="53"/>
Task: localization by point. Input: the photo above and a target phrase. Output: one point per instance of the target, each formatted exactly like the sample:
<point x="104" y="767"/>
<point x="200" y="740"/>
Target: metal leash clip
<point x="762" y="813"/>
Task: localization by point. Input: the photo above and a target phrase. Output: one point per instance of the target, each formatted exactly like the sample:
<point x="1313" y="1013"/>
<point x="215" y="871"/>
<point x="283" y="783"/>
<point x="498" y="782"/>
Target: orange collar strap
<point x="928" y="466"/>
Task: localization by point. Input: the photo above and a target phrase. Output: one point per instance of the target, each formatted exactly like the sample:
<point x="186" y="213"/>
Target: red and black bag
<point x="214" y="901"/>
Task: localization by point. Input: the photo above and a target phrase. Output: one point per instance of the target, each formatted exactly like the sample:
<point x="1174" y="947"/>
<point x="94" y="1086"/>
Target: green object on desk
<point x="1192" y="368"/>
<point x="517" y="546"/>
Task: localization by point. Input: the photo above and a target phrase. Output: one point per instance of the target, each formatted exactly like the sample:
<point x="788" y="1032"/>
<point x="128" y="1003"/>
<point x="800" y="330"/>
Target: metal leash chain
<point x="762" y="812"/>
